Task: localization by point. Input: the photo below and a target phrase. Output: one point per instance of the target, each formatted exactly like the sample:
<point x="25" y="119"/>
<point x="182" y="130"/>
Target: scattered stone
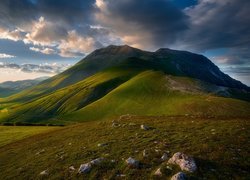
<point x="97" y="161"/>
<point x="144" y="153"/>
<point x="72" y="168"/>
<point x="102" y="144"/>
<point x="113" y="161"/>
<point x="84" y="168"/>
<point x="179" y="176"/>
<point x="144" y="127"/>
<point x="185" y="162"/>
<point x="170" y="168"/>
<point x="164" y="157"/>
<point x="44" y="173"/>
<point x="115" y="124"/>
<point x="158" y="172"/>
<point x="157" y="150"/>
<point x="70" y="144"/>
<point x="132" y="162"/>
<point x="121" y="175"/>
<point x="40" y="152"/>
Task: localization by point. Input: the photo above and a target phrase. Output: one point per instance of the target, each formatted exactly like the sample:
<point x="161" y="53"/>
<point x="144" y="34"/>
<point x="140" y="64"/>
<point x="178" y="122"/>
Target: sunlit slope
<point x="70" y="98"/>
<point x="178" y="63"/>
<point x="152" y="93"/>
<point x="97" y="61"/>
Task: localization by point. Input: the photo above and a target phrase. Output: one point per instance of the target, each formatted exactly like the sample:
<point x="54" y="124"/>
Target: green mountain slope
<point x="152" y="93"/>
<point x="119" y="79"/>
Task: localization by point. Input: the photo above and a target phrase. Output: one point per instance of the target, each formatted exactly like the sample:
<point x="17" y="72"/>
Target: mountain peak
<point x="118" y="49"/>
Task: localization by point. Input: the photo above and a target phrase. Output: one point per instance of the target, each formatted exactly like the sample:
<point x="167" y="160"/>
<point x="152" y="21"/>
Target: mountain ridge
<point x="131" y="77"/>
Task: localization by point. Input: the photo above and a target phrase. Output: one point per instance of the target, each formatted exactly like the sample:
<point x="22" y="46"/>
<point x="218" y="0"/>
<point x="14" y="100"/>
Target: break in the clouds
<point x="14" y="71"/>
<point x="3" y="55"/>
<point x="61" y="29"/>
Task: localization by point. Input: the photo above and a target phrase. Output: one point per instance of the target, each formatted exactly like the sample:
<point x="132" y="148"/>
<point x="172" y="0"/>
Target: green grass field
<point x="220" y="148"/>
<point x="9" y="134"/>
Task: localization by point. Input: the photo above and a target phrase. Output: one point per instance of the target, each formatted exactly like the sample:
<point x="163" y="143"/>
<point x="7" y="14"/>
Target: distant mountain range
<point x="12" y="87"/>
<point x="118" y="80"/>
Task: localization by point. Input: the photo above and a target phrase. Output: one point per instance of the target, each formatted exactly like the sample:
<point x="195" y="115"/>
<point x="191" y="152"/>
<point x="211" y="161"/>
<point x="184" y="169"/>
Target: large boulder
<point x="185" y="162"/>
<point x="179" y="176"/>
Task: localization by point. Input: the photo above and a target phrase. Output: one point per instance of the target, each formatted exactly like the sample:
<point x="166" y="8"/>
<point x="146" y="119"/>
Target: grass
<point x="149" y="93"/>
<point x="9" y="134"/>
<point x="117" y="91"/>
<point x="219" y="147"/>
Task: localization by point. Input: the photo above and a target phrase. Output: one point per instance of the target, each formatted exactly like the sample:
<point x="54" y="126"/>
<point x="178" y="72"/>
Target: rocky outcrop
<point x="185" y="162"/>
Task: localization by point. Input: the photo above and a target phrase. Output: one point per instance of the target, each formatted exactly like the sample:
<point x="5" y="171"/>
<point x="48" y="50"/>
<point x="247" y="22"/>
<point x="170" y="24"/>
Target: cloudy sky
<point x="52" y="34"/>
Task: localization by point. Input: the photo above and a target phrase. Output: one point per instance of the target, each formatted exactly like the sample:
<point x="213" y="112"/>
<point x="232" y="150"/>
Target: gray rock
<point x="115" y="124"/>
<point x="102" y="144"/>
<point x="132" y="162"/>
<point x="72" y="168"/>
<point x="40" y="152"/>
<point x="44" y="173"/>
<point x="164" y="157"/>
<point x="185" y="162"/>
<point x="179" y="176"/>
<point x="144" y="127"/>
<point x="84" y="168"/>
<point x="97" y="161"/>
<point x="144" y="153"/>
<point x="158" y="172"/>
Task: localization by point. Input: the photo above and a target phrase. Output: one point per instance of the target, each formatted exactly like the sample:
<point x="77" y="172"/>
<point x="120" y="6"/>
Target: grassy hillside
<point x="123" y="80"/>
<point x="219" y="147"/>
<point x="151" y="93"/>
<point x="118" y="91"/>
<point x="68" y="99"/>
<point x="10" y="134"/>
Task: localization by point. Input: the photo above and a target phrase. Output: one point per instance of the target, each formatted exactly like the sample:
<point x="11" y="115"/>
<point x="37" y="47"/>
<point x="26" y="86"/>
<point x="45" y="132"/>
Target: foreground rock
<point x="72" y="168"/>
<point x="102" y="144"/>
<point x="145" y="153"/>
<point x="164" y="157"/>
<point x="179" y="176"/>
<point x="158" y="172"/>
<point x="44" y="173"/>
<point x="144" y="127"/>
<point x="132" y="162"/>
<point x="97" y="161"/>
<point x="85" y="168"/>
<point x="185" y="162"/>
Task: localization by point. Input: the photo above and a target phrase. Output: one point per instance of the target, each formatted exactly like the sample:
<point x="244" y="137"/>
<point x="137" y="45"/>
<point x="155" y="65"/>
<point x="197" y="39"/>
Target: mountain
<point x="12" y="87"/>
<point x="120" y="80"/>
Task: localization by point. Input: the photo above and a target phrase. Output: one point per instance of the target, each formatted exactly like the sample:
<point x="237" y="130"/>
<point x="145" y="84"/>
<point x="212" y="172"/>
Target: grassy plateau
<point x="219" y="147"/>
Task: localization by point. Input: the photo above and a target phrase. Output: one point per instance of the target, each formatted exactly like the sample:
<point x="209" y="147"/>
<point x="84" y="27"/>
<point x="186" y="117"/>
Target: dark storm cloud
<point x="160" y="20"/>
<point x="17" y="12"/>
<point x="72" y="12"/>
<point x="219" y="24"/>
